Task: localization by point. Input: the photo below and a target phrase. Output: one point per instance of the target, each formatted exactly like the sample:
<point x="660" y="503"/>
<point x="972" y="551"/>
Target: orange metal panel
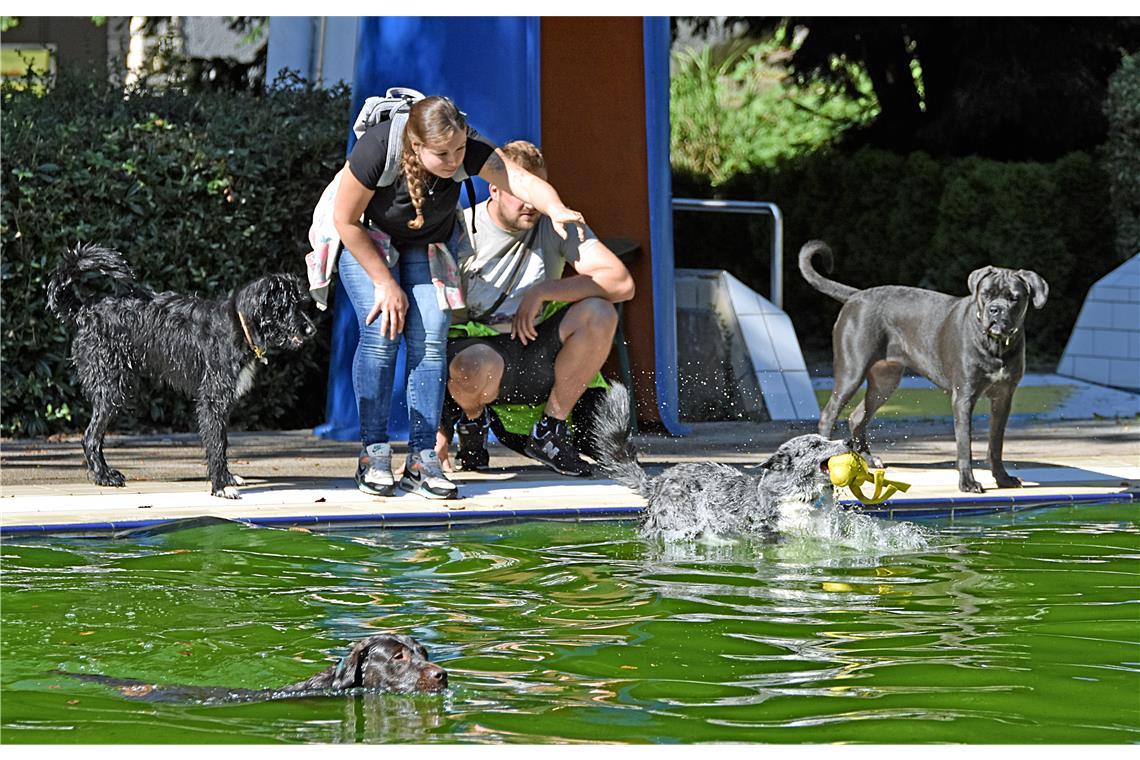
<point x="594" y="140"/>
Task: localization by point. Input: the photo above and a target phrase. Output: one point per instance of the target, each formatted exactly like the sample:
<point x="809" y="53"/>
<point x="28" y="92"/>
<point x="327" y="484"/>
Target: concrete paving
<point x="295" y="478"/>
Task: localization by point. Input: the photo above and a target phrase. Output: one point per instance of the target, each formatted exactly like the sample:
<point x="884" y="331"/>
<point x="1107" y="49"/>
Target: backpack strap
<point x="467" y="183"/>
<point x="523" y="254"/>
<point x="396" y="136"/>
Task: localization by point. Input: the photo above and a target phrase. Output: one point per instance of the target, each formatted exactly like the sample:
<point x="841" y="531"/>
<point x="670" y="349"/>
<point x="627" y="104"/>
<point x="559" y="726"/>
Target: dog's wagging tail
<point x="617" y="456"/>
<point x="836" y="290"/>
<point x="208" y="349"/>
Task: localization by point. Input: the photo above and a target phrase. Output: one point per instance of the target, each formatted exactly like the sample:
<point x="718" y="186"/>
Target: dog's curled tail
<point x="617" y="456"/>
<point x="84" y="257"/>
<point x="836" y="290"/>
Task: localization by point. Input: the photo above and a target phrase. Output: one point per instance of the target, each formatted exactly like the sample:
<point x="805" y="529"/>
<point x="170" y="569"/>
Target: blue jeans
<point x="374" y="365"/>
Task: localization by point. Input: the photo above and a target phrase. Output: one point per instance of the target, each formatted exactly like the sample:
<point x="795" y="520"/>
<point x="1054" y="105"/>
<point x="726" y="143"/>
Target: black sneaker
<point x="472" y="454"/>
<point x="550" y="444"/>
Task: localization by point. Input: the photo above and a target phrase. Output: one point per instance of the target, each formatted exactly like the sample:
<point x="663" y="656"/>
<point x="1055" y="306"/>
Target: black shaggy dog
<point x="709" y="499"/>
<point x="207" y="349"/>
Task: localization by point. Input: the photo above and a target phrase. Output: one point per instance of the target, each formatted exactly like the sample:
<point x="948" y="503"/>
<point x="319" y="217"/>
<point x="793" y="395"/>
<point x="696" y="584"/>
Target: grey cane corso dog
<point x="971" y="347"/>
<point x="381" y="663"/>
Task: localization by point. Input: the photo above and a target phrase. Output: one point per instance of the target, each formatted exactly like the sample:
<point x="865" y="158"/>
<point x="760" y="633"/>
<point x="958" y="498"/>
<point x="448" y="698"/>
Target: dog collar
<point x="258" y="351"/>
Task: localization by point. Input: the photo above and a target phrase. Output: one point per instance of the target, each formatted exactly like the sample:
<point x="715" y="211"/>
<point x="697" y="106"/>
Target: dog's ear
<point x="347" y="673"/>
<point x="781" y="460"/>
<point x="976" y="277"/>
<point x="301" y="288"/>
<point x="412" y="644"/>
<point x="1038" y="288"/>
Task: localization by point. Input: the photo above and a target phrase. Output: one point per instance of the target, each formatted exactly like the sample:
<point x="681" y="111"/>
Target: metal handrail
<point x="776" y="263"/>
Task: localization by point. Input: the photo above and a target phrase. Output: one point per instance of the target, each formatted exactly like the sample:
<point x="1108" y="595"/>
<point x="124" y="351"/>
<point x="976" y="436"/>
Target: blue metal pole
<point x="656" y="51"/>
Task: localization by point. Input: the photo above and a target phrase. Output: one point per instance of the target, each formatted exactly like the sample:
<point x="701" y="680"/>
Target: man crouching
<point x="523" y="348"/>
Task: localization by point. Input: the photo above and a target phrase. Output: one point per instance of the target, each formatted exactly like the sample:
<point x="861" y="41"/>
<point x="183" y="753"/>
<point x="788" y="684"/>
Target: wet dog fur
<point x="704" y="499"/>
<point x="383" y="663"/>
<point x="207" y="349"/>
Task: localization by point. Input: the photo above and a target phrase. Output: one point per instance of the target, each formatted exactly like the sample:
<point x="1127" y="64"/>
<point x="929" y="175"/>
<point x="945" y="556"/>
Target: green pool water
<point x="1008" y="629"/>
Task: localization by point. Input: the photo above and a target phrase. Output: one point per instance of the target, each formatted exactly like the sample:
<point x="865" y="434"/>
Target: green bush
<point x="913" y="220"/>
<point x="1122" y="156"/>
<point x="201" y="192"/>
<point x="738" y="111"/>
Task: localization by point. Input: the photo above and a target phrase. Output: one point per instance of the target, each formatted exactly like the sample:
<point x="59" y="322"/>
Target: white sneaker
<point x="374" y="470"/>
<point x="423" y="475"/>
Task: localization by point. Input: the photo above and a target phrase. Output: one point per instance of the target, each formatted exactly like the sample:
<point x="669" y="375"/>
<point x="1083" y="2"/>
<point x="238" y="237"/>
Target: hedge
<point x="201" y="193"/>
<point x="914" y="220"/>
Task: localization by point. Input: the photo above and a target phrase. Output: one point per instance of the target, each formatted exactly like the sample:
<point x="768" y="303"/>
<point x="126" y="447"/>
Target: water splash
<point x="823" y="524"/>
<point x="834" y="524"/>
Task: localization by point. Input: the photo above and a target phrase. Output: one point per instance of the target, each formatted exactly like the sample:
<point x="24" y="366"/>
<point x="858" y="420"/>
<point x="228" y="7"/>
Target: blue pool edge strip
<point x="949" y="506"/>
<point x="910" y="509"/>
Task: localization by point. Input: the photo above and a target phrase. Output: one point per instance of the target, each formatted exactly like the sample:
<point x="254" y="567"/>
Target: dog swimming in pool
<point x="705" y="499"/>
<point x="390" y="663"/>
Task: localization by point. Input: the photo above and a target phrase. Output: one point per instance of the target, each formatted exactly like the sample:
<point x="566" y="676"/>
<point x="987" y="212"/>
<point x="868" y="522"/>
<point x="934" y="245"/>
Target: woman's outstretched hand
<point x="561" y="216"/>
<point x="390" y="303"/>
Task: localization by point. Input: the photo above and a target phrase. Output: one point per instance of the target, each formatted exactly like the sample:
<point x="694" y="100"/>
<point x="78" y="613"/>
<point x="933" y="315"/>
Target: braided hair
<point x="432" y="120"/>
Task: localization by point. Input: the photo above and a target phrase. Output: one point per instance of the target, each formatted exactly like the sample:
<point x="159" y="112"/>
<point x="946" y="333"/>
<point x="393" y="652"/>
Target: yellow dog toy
<point x="850" y="470"/>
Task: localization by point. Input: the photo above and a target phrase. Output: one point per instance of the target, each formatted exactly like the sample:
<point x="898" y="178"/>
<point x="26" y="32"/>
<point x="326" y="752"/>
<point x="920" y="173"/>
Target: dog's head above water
<point x="389" y="662"/>
<point x="274" y="309"/>
<point x="799" y="466"/>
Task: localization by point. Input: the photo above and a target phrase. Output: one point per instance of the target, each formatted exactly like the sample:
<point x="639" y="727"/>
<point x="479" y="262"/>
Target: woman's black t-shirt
<point x="391" y="207"/>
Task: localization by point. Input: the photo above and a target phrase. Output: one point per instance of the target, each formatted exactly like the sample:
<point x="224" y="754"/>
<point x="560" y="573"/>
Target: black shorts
<point x="528" y="371"/>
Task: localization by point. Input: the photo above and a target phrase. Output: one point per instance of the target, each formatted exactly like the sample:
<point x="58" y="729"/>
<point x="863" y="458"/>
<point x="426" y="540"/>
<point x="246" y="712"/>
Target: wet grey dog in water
<point x="709" y="499"/>
<point x="970" y="347"/>
<point x="385" y="662"/>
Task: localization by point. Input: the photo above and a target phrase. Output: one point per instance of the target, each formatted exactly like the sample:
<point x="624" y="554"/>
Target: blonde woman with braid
<point x="440" y="150"/>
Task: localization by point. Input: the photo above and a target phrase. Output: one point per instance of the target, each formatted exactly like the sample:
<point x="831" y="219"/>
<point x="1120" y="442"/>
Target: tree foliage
<point x="167" y="62"/>
<point x="1013" y="89"/>
<point x="735" y="110"/>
